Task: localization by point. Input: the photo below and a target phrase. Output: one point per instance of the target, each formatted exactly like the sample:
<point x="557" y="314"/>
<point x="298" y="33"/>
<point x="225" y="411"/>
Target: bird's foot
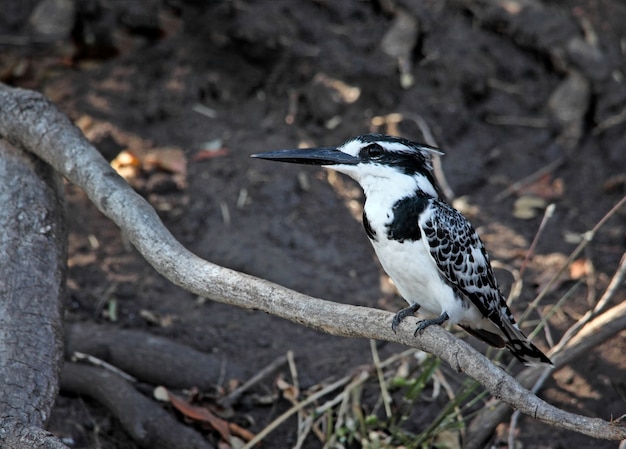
<point x="402" y="314"/>
<point x="425" y="323"/>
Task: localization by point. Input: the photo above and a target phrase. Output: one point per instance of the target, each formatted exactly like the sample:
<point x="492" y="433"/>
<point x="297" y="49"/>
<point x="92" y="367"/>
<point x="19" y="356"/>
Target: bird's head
<point x="375" y="161"/>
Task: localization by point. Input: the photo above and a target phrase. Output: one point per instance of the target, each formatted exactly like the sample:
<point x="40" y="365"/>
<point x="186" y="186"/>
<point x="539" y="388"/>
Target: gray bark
<point x="32" y="274"/>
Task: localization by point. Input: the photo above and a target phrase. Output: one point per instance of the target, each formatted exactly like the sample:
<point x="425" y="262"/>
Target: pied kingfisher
<point x="431" y="252"/>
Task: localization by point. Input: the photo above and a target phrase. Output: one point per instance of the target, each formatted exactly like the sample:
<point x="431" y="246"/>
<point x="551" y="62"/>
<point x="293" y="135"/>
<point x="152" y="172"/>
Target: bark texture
<point x="32" y="273"/>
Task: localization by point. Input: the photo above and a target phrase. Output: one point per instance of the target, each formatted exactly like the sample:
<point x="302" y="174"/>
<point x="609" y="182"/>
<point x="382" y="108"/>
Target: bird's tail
<point x="521" y="347"/>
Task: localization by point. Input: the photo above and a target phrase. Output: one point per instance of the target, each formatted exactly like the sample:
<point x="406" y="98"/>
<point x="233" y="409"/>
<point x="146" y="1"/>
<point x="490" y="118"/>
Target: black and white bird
<point x="429" y="249"/>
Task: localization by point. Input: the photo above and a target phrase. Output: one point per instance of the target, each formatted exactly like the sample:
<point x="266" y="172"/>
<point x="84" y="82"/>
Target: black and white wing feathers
<point x="462" y="259"/>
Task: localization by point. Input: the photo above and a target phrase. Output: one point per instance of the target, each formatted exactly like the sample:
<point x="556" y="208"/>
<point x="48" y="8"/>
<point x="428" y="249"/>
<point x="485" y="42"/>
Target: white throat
<point x="386" y="184"/>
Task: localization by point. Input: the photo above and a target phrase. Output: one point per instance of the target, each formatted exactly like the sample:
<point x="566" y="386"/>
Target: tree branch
<point x="64" y="147"/>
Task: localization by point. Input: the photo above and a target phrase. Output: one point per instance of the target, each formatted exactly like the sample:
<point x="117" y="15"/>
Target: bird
<point x="431" y="252"/>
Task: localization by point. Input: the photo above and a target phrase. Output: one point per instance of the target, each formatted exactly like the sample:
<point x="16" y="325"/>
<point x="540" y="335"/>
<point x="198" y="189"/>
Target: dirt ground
<point x="505" y="91"/>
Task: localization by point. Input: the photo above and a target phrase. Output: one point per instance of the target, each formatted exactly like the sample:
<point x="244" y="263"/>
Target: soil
<point x="273" y="75"/>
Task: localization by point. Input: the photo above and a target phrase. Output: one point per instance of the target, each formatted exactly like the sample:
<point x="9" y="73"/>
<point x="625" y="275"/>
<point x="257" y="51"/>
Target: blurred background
<point x="526" y="98"/>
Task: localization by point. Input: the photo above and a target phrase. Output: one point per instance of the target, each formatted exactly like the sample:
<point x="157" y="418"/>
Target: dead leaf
<point x="579" y="269"/>
<point x="127" y="158"/>
<point x="84" y="122"/>
<point x="544" y="188"/>
<point x="265" y="399"/>
<point x="399" y="41"/>
<point x="403" y="370"/>
<point x="200" y="414"/>
<point x="340" y="90"/>
<point x="203" y="155"/>
<point x="233" y="384"/>
<point x="156" y="318"/>
<point x="223" y="445"/>
<point x="548" y="265"/>
<point x="127" y="165"/>
<point x="389" y="121"/>
<point x="615" y="183"/>
<point x="210" y="149"/>
<point x="290" y="392"/>
<point x="236" y="429"/>
<point x="449" y="438"/>
<point x="569" y="102"/>
<point x="511" y="7"/>
<point x="526" y="207"/>
<point x="463" y="205"/>
<point x="169" y="159"/>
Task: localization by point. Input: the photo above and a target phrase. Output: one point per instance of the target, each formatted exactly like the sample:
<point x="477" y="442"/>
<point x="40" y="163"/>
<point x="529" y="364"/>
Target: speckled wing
<point x="463" y="260"/>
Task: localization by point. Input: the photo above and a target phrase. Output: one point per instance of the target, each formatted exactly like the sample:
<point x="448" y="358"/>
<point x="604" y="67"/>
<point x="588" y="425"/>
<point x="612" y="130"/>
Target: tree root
<point x="151" y="359"/>
<point x="148" y="424"/>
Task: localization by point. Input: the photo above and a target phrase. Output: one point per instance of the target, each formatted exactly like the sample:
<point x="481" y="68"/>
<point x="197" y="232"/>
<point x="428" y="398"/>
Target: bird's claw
<point x="421" y="325"/>
<point x="402" y="314"/>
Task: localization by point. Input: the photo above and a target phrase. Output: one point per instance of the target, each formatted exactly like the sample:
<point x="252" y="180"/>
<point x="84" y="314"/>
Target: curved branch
<point x="64" y="147"/>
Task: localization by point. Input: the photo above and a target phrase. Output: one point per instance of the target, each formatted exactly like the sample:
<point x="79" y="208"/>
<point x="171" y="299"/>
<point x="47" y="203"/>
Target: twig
<point x="234" y="395"/>
<point x="609" y="122"/>
<point x="303" y="431"/>
<point x="547" y="215"/>
<point x="592" y="334"/>
<point x="438" y="169"/>
<point x="610" y="291"/>
<point x="509" y="120"/>
<point x="553" y="310"/>
<point x="204" y="110"/>
<point x="395" y="357"/>
<point x="381" y="379"/>
<point x="565" y="350"/>
<point x="587" y="238"/>
<point x="296" y="384"/>
<point x="342" y="398"/>
<point x="314" y="397"/>
<point x="616" y="282"/>
<point x="95" y="361"/>
<point x="441" y="379"/>
<point x="518" y="283"/>
<point x="529" y="179"/>
<point x="292" y="107"/>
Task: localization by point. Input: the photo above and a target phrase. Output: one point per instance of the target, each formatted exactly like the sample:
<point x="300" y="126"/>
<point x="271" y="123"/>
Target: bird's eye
<point x="374" y="150"/>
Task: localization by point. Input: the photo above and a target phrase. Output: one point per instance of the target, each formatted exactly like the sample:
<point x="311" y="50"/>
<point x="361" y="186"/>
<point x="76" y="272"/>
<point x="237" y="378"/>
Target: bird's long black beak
<point x="311" y="156"/>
